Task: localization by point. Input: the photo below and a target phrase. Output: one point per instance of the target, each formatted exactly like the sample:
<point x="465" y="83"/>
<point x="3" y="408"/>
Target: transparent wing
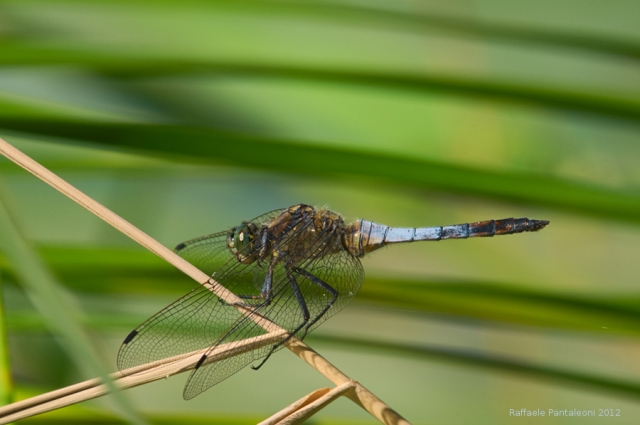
<point x="325" y="284"/>
<point x="207" y="253"/>
<point x="198" y="319"/>
<point x="208" y="375"/>
<point x="191" y="323"/>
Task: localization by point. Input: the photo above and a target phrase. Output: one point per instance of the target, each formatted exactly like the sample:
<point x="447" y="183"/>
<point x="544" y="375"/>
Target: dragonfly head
<point x="241" y="242"/>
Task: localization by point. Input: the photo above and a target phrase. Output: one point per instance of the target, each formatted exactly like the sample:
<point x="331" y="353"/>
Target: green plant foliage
<point x="187" y="117"/>
<point x="6" y="385"/>
<point x="52" y="302"/>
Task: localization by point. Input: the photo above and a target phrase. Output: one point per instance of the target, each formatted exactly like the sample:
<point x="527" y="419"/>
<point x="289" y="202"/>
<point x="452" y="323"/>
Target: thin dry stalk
<point x="361" y="395"/>
<point x="308" y="405"/>
<point x="129" y="379"/>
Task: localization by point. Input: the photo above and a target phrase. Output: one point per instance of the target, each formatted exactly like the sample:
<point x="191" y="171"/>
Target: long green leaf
<point x="505" y="304"/>
<point x="127" y="68"/>
<point x="426" y="21"/>
<point x="6" y="385"/>
<point x="366" y="14"/>
<point x="497" y="363"/>
<point x="206" y="145"/>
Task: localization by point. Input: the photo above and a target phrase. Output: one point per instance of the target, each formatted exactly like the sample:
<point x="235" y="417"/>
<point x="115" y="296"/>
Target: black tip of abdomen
<point x="539" y="224"/>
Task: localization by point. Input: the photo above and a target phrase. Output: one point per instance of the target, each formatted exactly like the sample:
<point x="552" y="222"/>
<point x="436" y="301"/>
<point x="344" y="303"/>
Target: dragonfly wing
<point x="191" y="323"/>
<point x="207" y="253"/>
<point x="197" y="320"/>
<point x="340" y="271"/>
<point x="325" y="285"/>
<point x="208" y="375"/>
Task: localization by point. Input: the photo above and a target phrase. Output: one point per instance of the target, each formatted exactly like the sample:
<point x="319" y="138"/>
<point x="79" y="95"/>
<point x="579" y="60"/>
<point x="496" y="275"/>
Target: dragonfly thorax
<point x="302" y="231"/>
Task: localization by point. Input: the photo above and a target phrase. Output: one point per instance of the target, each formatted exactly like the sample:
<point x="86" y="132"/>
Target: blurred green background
<point x="186" y="117"/>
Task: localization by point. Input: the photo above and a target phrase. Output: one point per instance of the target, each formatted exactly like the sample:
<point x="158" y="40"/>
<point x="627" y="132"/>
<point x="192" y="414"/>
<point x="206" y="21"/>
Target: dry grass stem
<point x="131" y="378"/>
<point x="361" y="395"/>
<point x="307" y="406"/>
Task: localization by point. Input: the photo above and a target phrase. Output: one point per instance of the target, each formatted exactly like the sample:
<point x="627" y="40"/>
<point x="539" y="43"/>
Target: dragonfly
<point x="295" y="266"/>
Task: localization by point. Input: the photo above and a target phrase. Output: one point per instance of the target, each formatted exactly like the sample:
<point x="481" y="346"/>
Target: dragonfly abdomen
<point x="366" y="236"/>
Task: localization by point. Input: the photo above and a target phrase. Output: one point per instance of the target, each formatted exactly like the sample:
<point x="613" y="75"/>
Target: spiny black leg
<point x="323" y="285"/>
<point x="305" y="318"/>
<point x="301" y="302"/>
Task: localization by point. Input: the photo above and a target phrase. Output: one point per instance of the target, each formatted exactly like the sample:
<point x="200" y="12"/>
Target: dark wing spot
<point x="202" y="359"/>
<point x="180" y="246"/>
<point x="130" y="337"/>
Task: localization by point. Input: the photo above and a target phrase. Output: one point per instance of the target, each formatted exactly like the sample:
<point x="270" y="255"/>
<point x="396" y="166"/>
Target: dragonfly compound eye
<point x="243" y="242"/>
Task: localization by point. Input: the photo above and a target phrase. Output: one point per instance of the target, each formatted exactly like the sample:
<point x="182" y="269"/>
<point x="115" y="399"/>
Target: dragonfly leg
<point x="305" y="318"/>
<point x="264" y="239"/>
<point x="324" y="286"/>
<point x="266" y="293"/>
